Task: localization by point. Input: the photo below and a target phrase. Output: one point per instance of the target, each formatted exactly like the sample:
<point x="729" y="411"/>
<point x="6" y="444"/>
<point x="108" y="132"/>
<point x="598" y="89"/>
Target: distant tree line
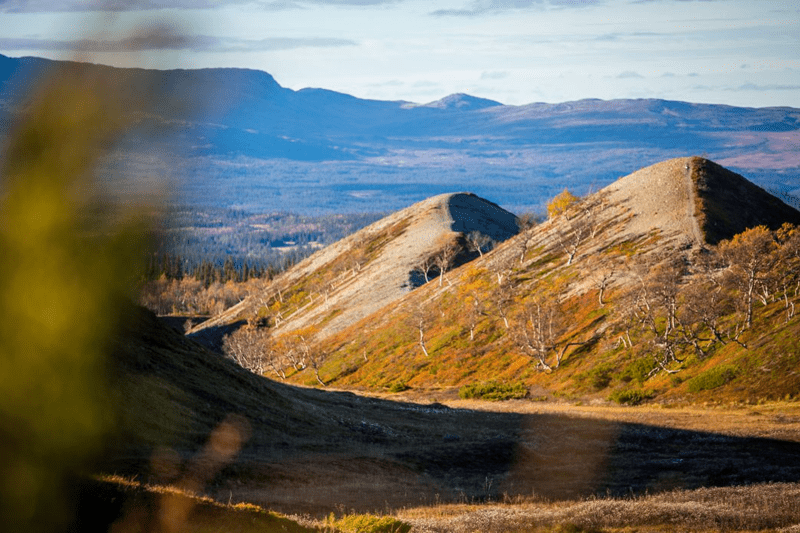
<point x="201" y="252"/>
<point x="220" y="233"/>
<point x="176" y="285"/>
<point x="222" y="270"/>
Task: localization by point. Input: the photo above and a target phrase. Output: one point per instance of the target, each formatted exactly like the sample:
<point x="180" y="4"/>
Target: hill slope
<point x="593" y="272"/>
<point x="729" y="203"/>
<point x="191" y="414"/>
<point x="198" y="421"/>
<point x="373" y="268"/>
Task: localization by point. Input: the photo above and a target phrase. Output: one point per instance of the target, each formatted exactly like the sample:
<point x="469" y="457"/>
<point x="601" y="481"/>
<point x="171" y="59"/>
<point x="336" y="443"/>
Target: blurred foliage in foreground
<point x="68" y="256"/>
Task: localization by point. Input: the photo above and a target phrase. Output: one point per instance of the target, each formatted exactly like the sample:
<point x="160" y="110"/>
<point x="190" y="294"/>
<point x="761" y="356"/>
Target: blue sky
<point x="737" y="52"/>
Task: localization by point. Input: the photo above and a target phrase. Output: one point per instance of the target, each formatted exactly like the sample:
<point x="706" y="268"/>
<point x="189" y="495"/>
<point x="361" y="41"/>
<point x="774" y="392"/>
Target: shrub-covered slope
<point x="201" y="424"/>
<point x="624" y="296"/>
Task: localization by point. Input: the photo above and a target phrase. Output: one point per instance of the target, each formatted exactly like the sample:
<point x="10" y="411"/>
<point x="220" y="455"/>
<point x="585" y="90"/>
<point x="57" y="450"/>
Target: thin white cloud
<point x="494" y="75"/>
<point x="388" y="83"/>
<point x="353" y="2"/>
<point x="629" y="74"/>
<point x="49" y="6"/>
<point x="766" y="87"/>
<point x="667" y="1"/>
<point x="481" y="7"/>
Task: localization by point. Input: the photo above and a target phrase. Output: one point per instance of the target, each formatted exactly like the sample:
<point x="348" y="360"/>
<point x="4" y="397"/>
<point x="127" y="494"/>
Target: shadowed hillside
<point x="729" y="204"/>
<point x="190" y="417"/>
<point x="310" y="451"/>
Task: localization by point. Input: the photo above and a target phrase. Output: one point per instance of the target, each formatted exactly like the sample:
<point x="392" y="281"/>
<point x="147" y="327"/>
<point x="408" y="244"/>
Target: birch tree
<point x="750" y="256"/>
<point x="478" y="242"/>
<point x="537" y="329"/>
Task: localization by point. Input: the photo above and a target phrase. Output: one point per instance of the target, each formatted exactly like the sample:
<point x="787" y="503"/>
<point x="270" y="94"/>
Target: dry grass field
<point x="688" y="469"/>
<point x="520" y="466"/>
<point x="440" y="464"/>
<point x="769" y="507"/>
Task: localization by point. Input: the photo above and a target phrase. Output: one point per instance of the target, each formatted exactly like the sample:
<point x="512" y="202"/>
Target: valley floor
<point x="711" y="439"/>
<point x="526" y="466"/>
<point x="772" y="420"/>
<point x="531" y="466"/>
<point x="441" y="464"/>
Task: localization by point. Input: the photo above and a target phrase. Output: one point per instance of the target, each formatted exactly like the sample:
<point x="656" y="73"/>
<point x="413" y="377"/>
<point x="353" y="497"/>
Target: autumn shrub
<point x="713" y="378"/>
<point x="638" y="370"/>
<point x="630" y="396"/>
<point x="493" y="391"/>
<point x="367" y="523"/>
<point x="560" y="203"/>
<point x="399" y="386"/>
<point x="569" y="527"/>
<point x="599" y="377"/>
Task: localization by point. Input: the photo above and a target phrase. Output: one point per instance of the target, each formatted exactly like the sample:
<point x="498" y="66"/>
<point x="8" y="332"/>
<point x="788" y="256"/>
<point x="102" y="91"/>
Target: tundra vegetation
<point x="569" y="310"/>
<point x="647" y="321"/>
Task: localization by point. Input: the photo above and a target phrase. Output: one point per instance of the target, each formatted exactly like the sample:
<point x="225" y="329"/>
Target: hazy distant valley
<point x="236" y="139"/>
<point x="233" y="144"/>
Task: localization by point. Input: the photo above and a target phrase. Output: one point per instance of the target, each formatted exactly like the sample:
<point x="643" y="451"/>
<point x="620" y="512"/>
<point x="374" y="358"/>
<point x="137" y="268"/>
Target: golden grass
<point x="752" y="508"/>
<point x="312" y="452"/>
<point x="124" y="505"/>
<point x="776" y="419"/>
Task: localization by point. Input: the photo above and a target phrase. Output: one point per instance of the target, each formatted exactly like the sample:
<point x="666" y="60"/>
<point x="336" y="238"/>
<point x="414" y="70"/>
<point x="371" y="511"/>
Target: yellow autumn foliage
<point x="560" y="203"/>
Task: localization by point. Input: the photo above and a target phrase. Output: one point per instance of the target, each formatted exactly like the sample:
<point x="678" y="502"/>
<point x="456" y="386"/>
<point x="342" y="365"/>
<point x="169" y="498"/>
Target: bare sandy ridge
<point x="658" y="203"/>
<point x="428" y="227"/>
<point x="432" y="224"/>
<point x="659" y="197"/>
<point x="386" y="278"/>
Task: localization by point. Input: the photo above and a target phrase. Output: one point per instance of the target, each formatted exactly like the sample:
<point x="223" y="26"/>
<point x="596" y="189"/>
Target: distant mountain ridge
<point x="240" y="126"/>
<point x="462" y="101"/>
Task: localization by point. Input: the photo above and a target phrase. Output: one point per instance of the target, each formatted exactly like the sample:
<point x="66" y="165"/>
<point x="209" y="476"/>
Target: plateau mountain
<point x="237" y="138"/>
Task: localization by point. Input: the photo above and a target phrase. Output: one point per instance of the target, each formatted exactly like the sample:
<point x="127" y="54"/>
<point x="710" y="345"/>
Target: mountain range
<point x="236" y="138"/>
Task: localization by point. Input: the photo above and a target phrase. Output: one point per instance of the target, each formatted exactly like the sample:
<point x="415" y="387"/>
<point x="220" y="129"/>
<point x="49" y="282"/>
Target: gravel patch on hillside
<point x="660" y="197"/>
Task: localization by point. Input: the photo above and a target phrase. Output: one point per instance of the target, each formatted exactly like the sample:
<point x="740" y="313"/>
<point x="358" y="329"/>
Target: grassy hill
<point x="372" y="268"/>
<point x="198" y="429"/>
<point x="197" y="422"/>
<point x="199" y="443"/>
<point x="482" y="324"/>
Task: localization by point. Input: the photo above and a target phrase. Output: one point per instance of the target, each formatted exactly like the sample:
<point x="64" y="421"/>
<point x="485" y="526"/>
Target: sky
<point x="736" y="52"/>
